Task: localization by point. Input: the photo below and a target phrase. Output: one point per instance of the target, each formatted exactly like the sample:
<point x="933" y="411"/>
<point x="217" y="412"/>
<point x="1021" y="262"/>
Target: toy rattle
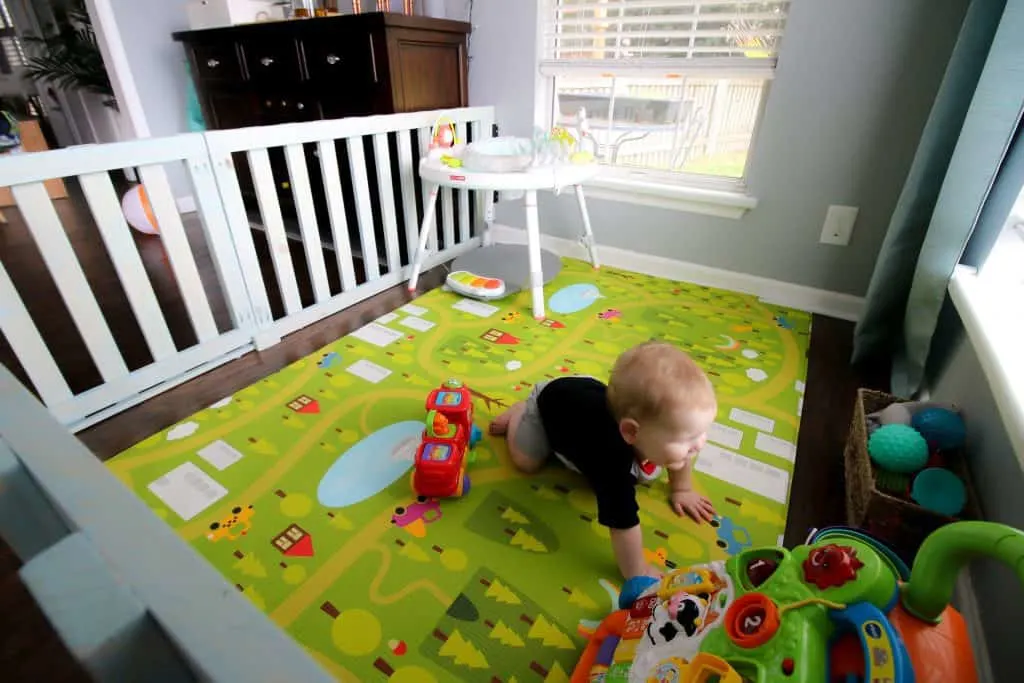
<point x="841" y="608"/>
<point x="444" y="142"/>
<point x="475" y="286"/>
<point x="439" y="470"/>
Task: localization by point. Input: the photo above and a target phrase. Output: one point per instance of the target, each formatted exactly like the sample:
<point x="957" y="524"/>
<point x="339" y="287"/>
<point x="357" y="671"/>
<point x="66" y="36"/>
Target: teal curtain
<point x="194" y="112"/>
<point x="961" y="150"/>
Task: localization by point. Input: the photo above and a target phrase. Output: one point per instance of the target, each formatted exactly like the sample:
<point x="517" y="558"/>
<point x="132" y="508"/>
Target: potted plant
<point x="68" y="55"/>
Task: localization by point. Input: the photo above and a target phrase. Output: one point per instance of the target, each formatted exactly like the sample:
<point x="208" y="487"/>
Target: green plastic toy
<point x="841" y="607"/>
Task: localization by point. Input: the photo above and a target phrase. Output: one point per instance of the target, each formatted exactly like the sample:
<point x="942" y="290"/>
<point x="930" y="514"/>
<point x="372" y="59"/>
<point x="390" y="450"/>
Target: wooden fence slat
<point x="179" y="253"/>
<point x="270" y="209"/>
<point x="386" y="191"/>
<point x="58" y="254"/>
<point x="295" y="157"/>
<point x="364" y="213"/>
<point x="408" y="177"/>
<point x="28" y="346"/>
<point x="336" y="212"/>
<point x="117" y="238"/>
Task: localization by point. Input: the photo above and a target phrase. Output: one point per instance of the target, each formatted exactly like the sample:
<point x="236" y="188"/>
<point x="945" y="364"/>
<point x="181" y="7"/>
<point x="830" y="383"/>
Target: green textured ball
<point x="898" y="448"/>
<point x="940" y="491"/>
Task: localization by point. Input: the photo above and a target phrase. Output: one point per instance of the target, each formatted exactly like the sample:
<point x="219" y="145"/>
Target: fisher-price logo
<point x="457" y="178"/>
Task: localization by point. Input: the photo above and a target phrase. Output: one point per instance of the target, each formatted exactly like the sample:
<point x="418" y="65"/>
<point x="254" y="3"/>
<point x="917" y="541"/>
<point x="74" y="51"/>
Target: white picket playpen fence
<point x="376" y="193"/>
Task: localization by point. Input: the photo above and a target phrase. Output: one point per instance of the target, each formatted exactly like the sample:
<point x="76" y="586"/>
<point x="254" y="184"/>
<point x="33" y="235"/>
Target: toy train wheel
<point x="462" y="486"/>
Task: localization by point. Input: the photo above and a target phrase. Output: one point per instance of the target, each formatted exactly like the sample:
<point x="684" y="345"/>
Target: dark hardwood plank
<point x="817" y="492"/>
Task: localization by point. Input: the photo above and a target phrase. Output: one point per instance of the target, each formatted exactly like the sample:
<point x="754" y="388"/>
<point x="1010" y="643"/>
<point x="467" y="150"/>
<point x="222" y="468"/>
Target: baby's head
<point x="663" y="401"/>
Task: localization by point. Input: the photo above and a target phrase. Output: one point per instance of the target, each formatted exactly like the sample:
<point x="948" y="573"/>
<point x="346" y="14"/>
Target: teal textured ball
<point x="898" y="448"/>
<point x="941" y="428"/>
<point x="940" y="491"/>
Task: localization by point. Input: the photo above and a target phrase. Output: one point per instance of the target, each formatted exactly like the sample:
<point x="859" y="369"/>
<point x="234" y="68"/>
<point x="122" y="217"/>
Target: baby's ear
<point x="629" y="429"/>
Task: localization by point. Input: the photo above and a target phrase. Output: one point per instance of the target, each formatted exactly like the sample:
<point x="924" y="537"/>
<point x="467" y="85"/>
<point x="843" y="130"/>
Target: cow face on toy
<point x="680" y="617"/>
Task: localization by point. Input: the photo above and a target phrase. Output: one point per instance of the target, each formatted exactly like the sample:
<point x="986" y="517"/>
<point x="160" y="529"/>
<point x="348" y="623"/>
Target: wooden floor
<point x="30" y="651"/>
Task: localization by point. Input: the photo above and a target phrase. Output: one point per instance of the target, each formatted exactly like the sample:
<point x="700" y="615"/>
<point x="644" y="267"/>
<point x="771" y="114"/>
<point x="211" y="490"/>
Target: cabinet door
<point x="216" y="61"/>
<point x="428" y="69"/>
<point x="227" y="108"/>
<point x="272" y="61"/>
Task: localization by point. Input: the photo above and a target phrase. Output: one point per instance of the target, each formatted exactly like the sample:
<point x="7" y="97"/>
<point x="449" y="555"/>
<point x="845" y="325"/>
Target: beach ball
<point x="898" y="448"/>
<point x="139" y="212"/>
<point x="941" y="428"/>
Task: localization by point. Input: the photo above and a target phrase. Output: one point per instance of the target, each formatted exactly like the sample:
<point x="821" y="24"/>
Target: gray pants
<point x="531" y="439"/>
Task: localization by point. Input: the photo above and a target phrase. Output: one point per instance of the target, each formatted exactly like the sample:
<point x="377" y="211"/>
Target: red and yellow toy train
<point x="439" y="470"/>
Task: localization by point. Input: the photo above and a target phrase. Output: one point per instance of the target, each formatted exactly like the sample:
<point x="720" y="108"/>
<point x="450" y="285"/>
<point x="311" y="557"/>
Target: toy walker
<point x="439" y="470"/>
<point x="842" y="608"/>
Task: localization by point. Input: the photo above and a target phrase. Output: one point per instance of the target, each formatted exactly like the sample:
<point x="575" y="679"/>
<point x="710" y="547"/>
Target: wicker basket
<point x="898" y="521"/>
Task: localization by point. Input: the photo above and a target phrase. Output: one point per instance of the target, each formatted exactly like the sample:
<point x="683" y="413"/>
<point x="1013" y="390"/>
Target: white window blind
<point x="10" y="44"/>
<point x="621" y="37"/>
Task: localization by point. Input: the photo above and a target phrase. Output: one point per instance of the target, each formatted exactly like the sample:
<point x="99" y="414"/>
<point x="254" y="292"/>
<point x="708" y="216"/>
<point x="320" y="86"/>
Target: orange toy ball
<point x="139" y="212"/>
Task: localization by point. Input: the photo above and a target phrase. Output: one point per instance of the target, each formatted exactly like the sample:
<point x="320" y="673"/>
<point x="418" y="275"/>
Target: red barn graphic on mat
<point x="553" y="324"/>
<point x="496" y="336"/>
<point x="294" y="542"/>
<point x="305" y="405"/>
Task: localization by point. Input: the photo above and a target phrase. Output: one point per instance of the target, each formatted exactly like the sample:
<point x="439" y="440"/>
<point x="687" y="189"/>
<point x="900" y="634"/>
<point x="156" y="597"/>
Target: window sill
<point x="995" y="334"/>
<point x="650" y="190"/>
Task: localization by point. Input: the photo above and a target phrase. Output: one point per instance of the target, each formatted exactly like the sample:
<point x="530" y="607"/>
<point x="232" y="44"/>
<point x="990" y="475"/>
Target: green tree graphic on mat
<point x="254" y="596"/>
<point x="505" y="635"/>
<point x="412" y="551"/>
<point x="462" y="652"/>
<point x="500" y="592"/>
<point x="491" y="519"/>
<point x="578" y="597"/>
<point x="525" y="541"/>
<point x="512" y="515"/>
<point x="549" y="634"/>
<point x="556" y="674"/>
<point x="507" y="614"/>
<point x="249" y="565"/>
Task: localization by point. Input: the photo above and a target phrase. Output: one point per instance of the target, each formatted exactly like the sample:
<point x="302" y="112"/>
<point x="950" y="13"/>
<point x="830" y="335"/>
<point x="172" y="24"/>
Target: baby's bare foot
<point x="499" y="426"/>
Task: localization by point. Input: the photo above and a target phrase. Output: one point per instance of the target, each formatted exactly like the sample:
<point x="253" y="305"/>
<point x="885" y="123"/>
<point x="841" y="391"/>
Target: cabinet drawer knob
<point x="267" y="61"/>
<point x="300" y="106"/>
<point x="333" y="59"/>
<point x="213" y="63"/>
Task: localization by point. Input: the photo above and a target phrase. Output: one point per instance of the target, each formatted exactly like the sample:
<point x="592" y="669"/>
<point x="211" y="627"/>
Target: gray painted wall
<point x="158" y="67"/>
<point x="157" y="62"/>
<point x="853" y="89"/>
<point x="999" y="481"/>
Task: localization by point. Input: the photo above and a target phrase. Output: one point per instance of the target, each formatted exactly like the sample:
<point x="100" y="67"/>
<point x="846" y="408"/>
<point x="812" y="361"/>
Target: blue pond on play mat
<point x="371" y="465"/>
<point x="574" y="298"/>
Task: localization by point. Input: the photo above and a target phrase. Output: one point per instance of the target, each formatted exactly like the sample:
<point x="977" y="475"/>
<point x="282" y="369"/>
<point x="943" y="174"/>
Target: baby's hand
<point x="693" y="505"/>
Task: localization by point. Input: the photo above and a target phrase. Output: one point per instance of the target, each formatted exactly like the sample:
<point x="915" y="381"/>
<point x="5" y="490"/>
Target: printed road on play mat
<point x="297" y="487"/>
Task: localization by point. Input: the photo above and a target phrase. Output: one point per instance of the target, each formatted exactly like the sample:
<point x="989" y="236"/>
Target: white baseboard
<point x="834" y="304"/>
<point x="186" y="204"/>
<point x="967" y="605"/>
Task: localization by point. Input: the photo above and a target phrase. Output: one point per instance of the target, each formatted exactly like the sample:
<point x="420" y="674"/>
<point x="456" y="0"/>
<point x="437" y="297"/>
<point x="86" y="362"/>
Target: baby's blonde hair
<point x="655" y="377"/>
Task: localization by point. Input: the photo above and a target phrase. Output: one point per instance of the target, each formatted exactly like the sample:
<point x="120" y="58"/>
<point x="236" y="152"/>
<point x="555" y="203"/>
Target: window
<point x="12" y="55"/>
<point x="669" y="91"/>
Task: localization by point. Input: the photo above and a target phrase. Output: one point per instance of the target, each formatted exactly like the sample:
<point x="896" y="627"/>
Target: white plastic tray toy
<point x="475" y="286"/>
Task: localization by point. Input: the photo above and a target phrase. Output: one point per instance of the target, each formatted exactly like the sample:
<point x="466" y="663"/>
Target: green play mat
<point x="305" y="477"/>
